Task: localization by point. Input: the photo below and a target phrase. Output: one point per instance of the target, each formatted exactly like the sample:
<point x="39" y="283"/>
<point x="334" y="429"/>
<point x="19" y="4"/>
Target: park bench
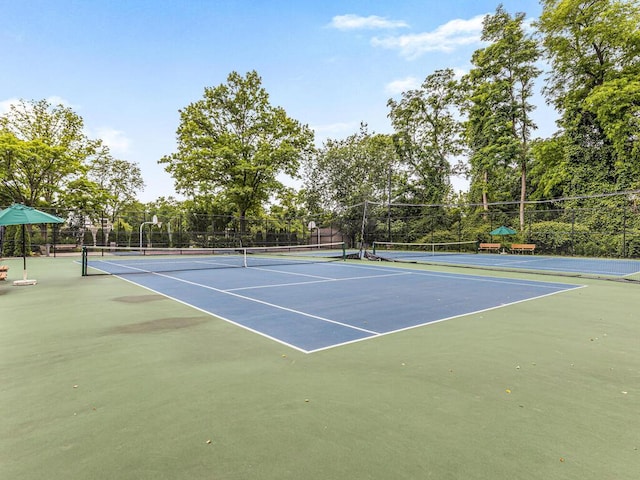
<point x="491" y="247"/>
<point x="3" y="272"/>
<point x="522" y="248"/>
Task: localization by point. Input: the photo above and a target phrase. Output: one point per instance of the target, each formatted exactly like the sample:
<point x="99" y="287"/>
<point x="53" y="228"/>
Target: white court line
<point x="476" y="278"/>
<point x="217" y="315"/>
<point x="122" y="264"/>
<point x="273" y="305"/>
<point x="528" y="262"/>
<point x="327" y="280"/>
<point x="370" y="333"/>
<point x="411" y="327"/>
<point x="464" y="276"/>
<point x="263" y="269"/>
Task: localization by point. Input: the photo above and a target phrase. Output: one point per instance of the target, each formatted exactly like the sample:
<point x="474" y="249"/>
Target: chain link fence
<point x="178" y="231"/>
<point x="605" y="226"/>
<point x="593" y="226"/>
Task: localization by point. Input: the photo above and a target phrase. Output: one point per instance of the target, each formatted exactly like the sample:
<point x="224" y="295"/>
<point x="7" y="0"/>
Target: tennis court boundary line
<point x="440" y="320"/>
<point x="212" y="314"/>
<point x="370" y="333"/>
<point x="328" y="280"/>
<point x="272" y="305"/>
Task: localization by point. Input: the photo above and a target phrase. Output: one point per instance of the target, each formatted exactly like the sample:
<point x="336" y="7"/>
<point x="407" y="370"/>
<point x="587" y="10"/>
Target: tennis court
<point x="316" y="305"/>
<point x="429" y="254"/>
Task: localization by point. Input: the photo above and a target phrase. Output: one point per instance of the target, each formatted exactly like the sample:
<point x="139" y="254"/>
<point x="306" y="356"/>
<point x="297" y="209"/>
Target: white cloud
<point x="445" y="38"/>
<point x="458" y="73"/>
<point x="334" y="130"/>
<point x="402" y="85"/>
<point x="5" y="105"/>
<point x="529" y="25"/>
<point x="53" y="100"/>
<point x="116" y="140"/>
<point x="356" y="22"/>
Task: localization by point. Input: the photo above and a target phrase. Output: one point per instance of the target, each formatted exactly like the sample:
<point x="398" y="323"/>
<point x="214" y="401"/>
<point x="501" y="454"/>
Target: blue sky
<point x="128" y="66"/>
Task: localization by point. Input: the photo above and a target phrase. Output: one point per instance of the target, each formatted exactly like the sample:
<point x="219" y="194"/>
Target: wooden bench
<point x="522" y="248"/>
<point x="3" y="272"/>
<point x="491" y="247"/>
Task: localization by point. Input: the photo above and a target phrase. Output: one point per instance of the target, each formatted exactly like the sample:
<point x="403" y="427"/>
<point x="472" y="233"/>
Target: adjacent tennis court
<point x="314" y="305"/>
<point x="460" y="253"/>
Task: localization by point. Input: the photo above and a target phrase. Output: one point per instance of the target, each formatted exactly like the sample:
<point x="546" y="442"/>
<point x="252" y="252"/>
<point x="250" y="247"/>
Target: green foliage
<point x="117" y="182"/>
<point x="499" y="126"/>
<point x="46" y="160"/>
<point x="233" y="144"/>
<point x="12" y="245"/>
<point x="557" y="237"/>
<point x="44" y="147"/>
<point x="30" y="170"/>
<point x="347" y="172"/>
<point x="593" y="49"/>
<point x="427" y="136"/>
<point x="548" y="174"/>
<point x="616" y="105"/>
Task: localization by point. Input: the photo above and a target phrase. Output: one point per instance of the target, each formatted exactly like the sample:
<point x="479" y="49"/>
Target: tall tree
<point x="501" y="84"/>
<point x="345" y="175"/>
<point x="23" y="169"/>
<point x="427" y="135"/>
<point x="349" y="171"/>
<point x="120" y="180"/>
<point x="44" y="147"/>
<point x="233" y="143"/>
<point x="594" y="51"/>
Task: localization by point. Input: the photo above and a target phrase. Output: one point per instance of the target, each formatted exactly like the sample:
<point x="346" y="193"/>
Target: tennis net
<point x="126" y="260"/>
<point x="415" y="252"/>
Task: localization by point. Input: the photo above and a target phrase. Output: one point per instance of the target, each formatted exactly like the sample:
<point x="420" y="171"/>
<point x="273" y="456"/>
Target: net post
<point x="244" y="257"/>
<point x="344" y="251"/>
<point x="373" y="246"/>
<point x="84" y="260"/>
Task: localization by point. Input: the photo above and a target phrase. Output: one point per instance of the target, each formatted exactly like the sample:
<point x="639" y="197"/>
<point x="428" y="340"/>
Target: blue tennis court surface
<point x="572" y="265"/>
<point x="312" y="307"/>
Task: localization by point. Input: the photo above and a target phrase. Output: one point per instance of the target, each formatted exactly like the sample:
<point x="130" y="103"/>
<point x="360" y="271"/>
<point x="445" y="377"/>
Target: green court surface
<point x="102" y="379"/>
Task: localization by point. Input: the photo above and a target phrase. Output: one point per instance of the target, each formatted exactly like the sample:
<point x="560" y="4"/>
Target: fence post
<point x="624" y="228"/>
<point x="573" y="239"/>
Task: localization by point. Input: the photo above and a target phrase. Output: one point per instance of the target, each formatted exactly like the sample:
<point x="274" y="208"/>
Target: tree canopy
<point x="233" y="144"/>
<point x="594" y="52"/>
<point x="43" y="149"/>
<point x="47" y="160"/>
<point x="500" y="88"/>
<point x="427" y="137"/>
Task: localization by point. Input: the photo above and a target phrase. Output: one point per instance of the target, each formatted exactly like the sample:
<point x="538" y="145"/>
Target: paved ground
<point x="103" y="379"/>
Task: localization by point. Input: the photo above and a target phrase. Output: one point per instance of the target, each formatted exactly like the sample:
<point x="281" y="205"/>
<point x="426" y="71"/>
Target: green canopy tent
<point x="18" y="214"/>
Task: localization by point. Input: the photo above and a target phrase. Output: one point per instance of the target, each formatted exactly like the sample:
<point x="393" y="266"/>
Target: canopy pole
<point x="24" y="252"/>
